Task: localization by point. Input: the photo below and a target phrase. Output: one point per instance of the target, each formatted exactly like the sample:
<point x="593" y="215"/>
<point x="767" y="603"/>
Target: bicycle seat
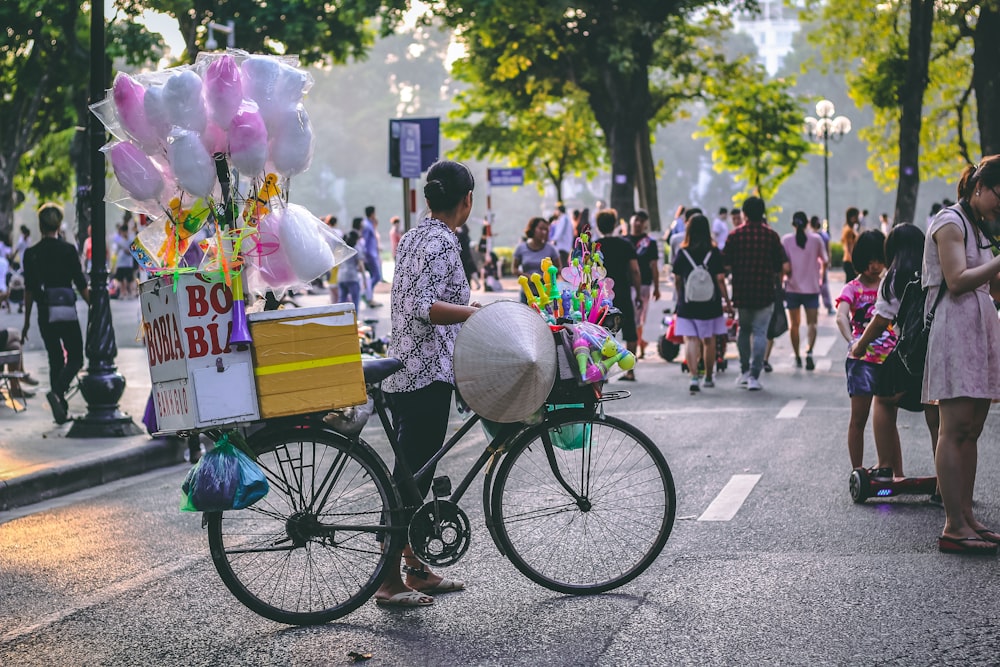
<point x="376" y="370"/>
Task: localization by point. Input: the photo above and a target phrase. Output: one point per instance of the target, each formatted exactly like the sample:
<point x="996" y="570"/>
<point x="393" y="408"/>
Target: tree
<point x="40" y="67"/>
<point x="606" y="48"/>
<point x="754" y="129"/>
<point x="316" y="30"/>
<point x="551" y="139"/>
<point x="915" y="59"/>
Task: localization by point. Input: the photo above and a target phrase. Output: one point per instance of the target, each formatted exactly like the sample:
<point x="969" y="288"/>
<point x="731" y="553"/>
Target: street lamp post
<point x="827" y="126"/>
<point x="102" y="386"/>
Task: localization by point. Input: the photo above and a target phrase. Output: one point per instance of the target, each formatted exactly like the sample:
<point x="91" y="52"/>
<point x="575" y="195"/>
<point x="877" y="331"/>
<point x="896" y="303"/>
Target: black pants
<point x="64" y="345"/>
<point x="420" y="419"/>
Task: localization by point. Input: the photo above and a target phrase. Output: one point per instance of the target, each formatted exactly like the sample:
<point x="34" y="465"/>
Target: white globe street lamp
<point x="826" y="126"/>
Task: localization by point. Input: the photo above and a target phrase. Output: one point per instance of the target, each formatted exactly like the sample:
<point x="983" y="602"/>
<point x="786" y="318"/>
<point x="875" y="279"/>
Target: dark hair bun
<point x="447" y="184"/>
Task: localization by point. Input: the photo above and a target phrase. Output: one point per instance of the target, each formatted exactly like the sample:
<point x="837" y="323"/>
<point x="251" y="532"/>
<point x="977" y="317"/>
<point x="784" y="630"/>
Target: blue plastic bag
<point x="224" y="479"/>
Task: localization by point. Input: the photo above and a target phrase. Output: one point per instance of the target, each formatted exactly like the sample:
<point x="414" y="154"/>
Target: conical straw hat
<point x="505" y="361"/>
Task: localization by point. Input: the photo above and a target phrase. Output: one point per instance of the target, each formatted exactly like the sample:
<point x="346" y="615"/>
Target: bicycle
<point x="580" y="503"/>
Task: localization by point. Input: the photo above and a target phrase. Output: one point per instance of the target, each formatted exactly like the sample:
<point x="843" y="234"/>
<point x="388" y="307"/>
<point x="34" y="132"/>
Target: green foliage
<point x="317" y="30"/>
<point x="754" y="130"/>
<point x="505" y="255"/>
<point x="870" y="42"/>
<point x="46" y="169"/>
<point x="550" y="138"/>
<point x="836" y="254"/>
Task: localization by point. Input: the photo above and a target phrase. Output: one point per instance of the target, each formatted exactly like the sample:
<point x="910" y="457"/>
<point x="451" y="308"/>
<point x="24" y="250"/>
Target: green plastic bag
<point x="570" y="437"/>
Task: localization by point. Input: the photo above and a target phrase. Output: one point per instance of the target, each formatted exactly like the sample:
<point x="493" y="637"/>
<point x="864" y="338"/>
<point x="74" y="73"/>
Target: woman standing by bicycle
<point x="429" y="296"/>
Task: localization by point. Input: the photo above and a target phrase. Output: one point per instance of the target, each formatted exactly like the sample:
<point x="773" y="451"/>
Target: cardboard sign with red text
<point x="199" y="380"/>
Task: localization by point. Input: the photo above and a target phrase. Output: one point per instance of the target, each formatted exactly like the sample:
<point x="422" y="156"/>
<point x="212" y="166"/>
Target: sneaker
<point x="58" y="405"/>
<point x="27" y="379"/>
<point x="753" y="384"/>
<point x="743" y="379"/>
<point x="810" y="364"/>
<point x="768" y="368"/>
<point x="798" y="362"/>
<point x="936" y="499"/>
<point x="708" y="383"/>
<point x="694" y="388"/>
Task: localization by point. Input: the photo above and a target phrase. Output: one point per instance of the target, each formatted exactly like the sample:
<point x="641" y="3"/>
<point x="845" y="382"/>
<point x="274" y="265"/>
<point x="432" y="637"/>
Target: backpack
<point x="699" y="286"/>
<point x="912" y="329"/>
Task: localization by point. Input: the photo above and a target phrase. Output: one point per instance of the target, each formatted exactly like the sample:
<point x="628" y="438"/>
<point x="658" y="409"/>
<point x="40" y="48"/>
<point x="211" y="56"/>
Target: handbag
<point x="913" y="329"/>
<point x="779" y="319"/>
<point x="61" y="302"/>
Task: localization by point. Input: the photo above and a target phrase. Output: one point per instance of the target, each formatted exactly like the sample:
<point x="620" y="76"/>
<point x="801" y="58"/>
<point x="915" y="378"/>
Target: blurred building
<point x="771" y="30"/>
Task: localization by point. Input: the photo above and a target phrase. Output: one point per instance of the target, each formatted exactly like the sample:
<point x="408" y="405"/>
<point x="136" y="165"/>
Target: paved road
<point x="795" y="573"/>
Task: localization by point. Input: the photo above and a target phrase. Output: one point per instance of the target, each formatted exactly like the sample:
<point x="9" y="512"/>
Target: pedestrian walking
<point x="528" y="255"/>
<point x="372" y="255"/>
<point x="848" y="237"/>
<point x="623" y="268"/>
<point x="51" y="270"/>
<point x="700" y="277"/>
<point x="647" y="255"/>
<point x="808" y="259"/>
<point x="561" y="234"/>
<point x="816" y="225"/>
<point x="755" y="259"/>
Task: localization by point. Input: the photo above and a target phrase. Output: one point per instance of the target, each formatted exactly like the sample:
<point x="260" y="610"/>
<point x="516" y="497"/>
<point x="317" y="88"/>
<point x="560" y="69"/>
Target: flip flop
<point x="406" y="599"/>
<point x="960" y="545"/>
<point x="989" y="535"/>
<point x="445" y="586"/>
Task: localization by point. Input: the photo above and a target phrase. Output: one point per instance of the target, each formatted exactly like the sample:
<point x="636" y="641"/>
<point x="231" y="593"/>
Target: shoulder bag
<point x="61" y="302"/>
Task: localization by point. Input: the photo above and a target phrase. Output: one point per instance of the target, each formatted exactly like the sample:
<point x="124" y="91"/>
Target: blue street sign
<point x="409" y="150"/>
<point x="513" y="176"/>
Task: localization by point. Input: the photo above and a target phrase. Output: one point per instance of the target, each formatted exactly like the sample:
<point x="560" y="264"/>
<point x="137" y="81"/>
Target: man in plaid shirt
<point x="755" y="259"/>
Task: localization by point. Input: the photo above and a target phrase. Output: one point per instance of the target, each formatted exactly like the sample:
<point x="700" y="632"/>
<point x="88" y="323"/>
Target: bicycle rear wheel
<point x="308" y="552"/>
<point x="582" y="505"/>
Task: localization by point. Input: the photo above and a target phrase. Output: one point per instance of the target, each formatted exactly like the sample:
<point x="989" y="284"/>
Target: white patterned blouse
<point x="428" y="269"/>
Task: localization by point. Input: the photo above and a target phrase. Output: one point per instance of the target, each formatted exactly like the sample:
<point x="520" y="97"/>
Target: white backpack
<point x="699" y="286"/>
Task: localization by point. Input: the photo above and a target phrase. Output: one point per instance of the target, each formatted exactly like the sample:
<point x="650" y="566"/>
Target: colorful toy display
<point x="579" y="298"/>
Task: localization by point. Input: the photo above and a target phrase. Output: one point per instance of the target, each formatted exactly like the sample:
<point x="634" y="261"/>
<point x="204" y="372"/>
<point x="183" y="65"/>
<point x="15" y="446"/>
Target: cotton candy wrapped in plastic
<point x="291" y="142"/>
<point x="156" y="112"/>
<point x="214" y="139"/>
<point x="299" y="236"/>
<point x="223" y="89"/>
<point x="248" y="139"/>
<point x="275" y="86"/>
<point x="129" y="97"/>
<point x="267" y="267"/>
<point x="183" y="100"/>
<point x="190" y="162"/>
<point x="136" y="172"/>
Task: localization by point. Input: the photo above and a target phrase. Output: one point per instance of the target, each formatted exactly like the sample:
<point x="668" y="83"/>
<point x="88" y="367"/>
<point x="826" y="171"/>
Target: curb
<point x="69" y="478"/>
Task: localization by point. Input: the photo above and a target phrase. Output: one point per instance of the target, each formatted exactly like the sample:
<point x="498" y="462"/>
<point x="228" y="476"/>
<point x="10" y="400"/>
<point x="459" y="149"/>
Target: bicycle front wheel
<point x="309" y="551"/>
<point x="582" y="504"/>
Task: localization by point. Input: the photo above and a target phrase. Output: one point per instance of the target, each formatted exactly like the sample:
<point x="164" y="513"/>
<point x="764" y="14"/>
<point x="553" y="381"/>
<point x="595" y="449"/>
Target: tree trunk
<point x="984" y="77"/>
<point x="6" y="202"/>
<point x="911" y="99"/>
<point x="646" y="178"/>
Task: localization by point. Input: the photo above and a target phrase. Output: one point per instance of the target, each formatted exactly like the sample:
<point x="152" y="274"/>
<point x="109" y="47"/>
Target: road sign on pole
<point x="507" y="176"/>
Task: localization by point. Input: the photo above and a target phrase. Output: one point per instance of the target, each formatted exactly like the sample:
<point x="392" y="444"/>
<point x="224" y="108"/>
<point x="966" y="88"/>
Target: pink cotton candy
<point x="248" y="140"/>
<point x="128" y="96"/>
<point x="214" y="138"/>
<point x="136" y="172"/>
<point x="276" y="269"/>
<point x="223" y="90"/>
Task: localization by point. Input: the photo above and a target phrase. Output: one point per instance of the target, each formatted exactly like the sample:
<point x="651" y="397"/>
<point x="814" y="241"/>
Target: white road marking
<point x="792" y="409"/>
<point x="823" y="345"/>
<point x="730" y="499"/>
<point x="824" y="365"/>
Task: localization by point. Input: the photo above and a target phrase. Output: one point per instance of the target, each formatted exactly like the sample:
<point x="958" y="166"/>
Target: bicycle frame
<point x="407" y="485"/>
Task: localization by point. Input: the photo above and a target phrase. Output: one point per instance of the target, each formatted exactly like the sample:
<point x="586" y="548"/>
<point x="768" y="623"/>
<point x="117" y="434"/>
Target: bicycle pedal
<point x="441" y="486"/>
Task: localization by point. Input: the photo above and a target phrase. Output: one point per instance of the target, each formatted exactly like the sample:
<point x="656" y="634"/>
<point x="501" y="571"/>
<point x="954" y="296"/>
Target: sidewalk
<point x="38" y="461"/>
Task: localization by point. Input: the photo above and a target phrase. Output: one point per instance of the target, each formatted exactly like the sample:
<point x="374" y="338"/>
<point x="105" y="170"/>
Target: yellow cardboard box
<point x="307" y="359"/>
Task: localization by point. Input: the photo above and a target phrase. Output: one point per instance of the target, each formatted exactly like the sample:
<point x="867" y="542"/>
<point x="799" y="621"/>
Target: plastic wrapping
<point x="224" y="479"/>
